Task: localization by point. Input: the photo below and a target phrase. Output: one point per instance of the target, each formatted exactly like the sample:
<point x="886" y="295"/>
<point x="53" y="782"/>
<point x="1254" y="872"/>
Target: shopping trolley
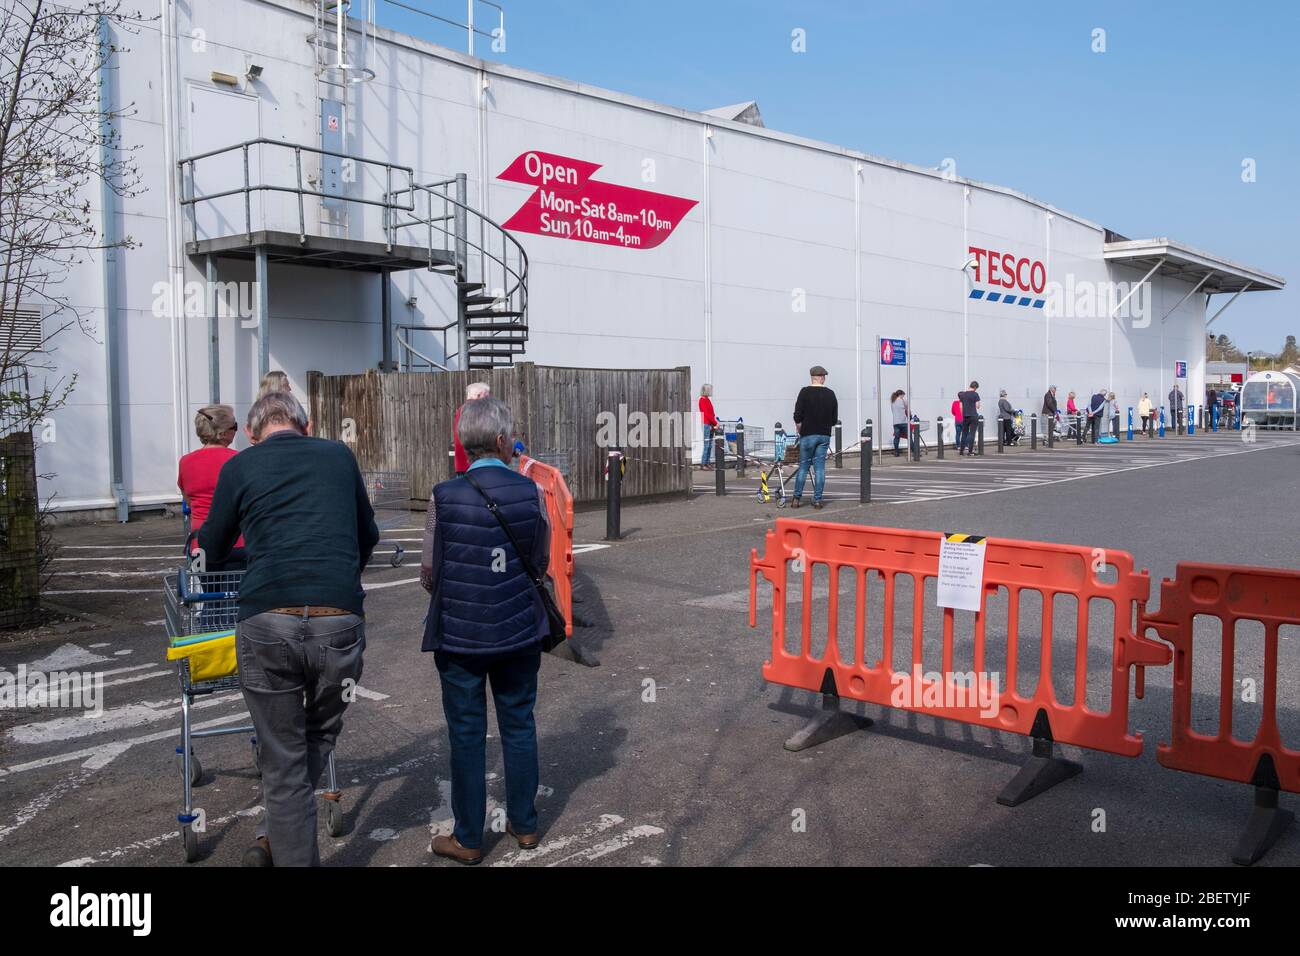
<point x="201" y="611"/>
<point x="390" y="496"/>
<point x="778" y="471"/>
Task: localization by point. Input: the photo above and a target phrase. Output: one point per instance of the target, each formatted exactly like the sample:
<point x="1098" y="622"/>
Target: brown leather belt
<point x="307" y="610"/>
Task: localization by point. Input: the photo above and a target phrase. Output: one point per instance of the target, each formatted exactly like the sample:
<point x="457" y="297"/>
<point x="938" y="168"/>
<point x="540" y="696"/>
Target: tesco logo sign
<point x="1004" y="269"/>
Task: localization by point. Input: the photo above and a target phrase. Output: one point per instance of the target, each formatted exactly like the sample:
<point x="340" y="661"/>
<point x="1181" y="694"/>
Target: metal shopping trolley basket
<point x="390" y="496"/>
<point x="201" y="610"/>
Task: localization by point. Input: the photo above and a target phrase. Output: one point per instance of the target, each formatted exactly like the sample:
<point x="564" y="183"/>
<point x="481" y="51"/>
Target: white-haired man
<point x="308" y="528"/>
<point x="473" y="392"/>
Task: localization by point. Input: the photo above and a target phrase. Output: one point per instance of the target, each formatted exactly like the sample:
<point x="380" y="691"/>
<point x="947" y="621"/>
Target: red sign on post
<point x="569" y="204"/>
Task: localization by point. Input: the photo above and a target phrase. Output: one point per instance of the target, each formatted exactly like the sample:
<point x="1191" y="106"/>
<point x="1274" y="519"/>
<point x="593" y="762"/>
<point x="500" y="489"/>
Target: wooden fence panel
<point x="402" y="421"/>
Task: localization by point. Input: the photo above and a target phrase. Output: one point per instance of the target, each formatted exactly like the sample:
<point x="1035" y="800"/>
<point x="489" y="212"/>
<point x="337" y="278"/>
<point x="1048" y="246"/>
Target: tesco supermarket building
<point x="654" y="236"/>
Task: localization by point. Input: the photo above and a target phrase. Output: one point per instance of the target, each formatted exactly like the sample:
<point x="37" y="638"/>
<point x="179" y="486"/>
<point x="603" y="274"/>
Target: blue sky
<point x="1147" y="138"/>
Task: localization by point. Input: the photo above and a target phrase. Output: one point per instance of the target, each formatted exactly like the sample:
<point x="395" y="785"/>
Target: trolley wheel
<point x="190" y="840"/>
<point x="196" y="769"/>
<point x="396" y="559"/>
<point x="334" y="818"/>
<point x="780" y="502"/>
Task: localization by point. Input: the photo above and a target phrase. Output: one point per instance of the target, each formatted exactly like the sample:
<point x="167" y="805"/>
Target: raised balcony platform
<point x="327" y="252"/>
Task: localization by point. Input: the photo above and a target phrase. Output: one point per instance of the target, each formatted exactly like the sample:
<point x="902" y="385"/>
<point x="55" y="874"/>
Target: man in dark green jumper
<point x="308" y="530"/>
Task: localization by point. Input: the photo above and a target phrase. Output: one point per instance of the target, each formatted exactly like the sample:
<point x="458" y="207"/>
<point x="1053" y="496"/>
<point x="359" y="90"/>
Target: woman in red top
<point x="709" y="421"/>
<point x="474" y="391"/>
<point x="216" y="427"/>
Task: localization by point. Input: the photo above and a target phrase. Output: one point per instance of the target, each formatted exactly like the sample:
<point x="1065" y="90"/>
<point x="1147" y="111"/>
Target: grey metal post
<point x="864" y="472"/>
<point x="112" y="305"/>
<point x="839" y="445"/>
<point x="263" y="316"/>
<point x="719" y="461"/>
<point x="740" y="449"/>
<point x="614" y="496"/>
<point x="461" y="227"/>
<point x="386" y="320"/>
<point x="938" y="434"/>
<point x="214" y="334"/>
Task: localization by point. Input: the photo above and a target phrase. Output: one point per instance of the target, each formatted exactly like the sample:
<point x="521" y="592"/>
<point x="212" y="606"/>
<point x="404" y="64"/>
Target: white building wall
<point x="755" y="285"/>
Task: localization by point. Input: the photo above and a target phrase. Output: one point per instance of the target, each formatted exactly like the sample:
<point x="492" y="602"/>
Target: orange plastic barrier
<point x="559" y="511"/>
<point x="1230" y="594"/>
<point x="1018" y="566"/>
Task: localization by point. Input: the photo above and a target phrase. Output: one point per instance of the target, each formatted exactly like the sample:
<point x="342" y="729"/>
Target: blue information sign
<point x="893" y="351"/>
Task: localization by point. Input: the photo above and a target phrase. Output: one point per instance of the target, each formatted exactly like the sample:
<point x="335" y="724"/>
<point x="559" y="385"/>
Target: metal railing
<point x="485" y="254"/>
<point x="502" y="269"/>
<point x="428" y="216"/>
<point x="189" y="200"/>
<point x="411" y="359"/>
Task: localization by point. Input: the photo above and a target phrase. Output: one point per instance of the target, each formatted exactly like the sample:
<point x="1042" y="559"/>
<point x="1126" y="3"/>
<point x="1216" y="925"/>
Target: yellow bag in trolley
<point x="211" y="656"/>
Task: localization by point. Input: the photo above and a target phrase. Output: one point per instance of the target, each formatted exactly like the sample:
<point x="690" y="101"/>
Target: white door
<point x="217" y="119"/>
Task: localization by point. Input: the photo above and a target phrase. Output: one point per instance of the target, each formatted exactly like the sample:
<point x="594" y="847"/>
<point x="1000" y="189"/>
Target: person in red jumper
<point x="472" y="392"/>
<point x="709" y="421"/>
<point x="216" y="428"/>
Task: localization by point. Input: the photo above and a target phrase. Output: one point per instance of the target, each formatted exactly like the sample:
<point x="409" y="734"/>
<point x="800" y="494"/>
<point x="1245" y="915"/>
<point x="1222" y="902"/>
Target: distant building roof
<point x="746" y="112"/>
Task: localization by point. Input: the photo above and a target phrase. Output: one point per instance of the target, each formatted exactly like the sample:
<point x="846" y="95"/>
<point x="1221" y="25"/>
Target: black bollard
<point x="979" y="436"/>
<point x="938" y="432"/>
<point x="914" y="440"/>
<point x="1001" y="429"/>
<point x="1051" y="431"/>
<point x="1078" y="427"/>
<point x="451" y="459"/>
<point x="864" y="472"/>
<point x="839" y="446"/>
<point x="720" y="462"/>
<point x="740" y="449"/>
<point x="1033" y="433"/>
<point x="614" y="495"/>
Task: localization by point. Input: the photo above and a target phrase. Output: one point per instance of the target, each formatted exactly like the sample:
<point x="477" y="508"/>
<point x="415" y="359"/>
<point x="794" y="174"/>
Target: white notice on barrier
<point x="961" y="571"/>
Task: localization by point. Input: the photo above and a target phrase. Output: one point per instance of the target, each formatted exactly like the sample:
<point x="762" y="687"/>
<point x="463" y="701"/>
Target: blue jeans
<point x="513" y="678"/>
<point x="970" y="427"/>
<point x="708" y="445"/>
<point x="812" y="451"/>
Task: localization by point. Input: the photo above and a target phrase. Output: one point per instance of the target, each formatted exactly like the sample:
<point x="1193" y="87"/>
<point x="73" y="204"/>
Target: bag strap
<point x="496" y="513"/>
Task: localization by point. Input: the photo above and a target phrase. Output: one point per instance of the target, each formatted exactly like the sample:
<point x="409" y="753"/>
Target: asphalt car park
<point x="670" y="751"/>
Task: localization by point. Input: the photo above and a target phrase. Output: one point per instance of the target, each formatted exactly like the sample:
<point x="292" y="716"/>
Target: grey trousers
<point x="298" y="674"/>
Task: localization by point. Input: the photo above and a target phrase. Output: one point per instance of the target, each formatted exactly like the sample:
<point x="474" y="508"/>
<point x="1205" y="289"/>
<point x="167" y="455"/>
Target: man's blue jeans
<point x="812" y="452"/>
<point x="513" y="678"/>
<point x="707" y="455"/>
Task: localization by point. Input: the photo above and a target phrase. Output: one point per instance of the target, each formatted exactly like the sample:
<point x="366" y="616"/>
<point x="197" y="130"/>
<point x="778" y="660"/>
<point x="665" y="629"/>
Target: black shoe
<point x="259" y="854"/>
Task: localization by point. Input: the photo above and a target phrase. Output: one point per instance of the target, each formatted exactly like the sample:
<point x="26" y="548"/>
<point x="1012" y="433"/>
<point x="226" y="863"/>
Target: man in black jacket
<point x="308" y="530"/>
<point x="816" y="411"/>
<point x="1050" y="409"/>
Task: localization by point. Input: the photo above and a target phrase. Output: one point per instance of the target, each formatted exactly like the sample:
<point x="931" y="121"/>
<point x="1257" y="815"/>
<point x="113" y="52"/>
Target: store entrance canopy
<point x="1212" y="274"/>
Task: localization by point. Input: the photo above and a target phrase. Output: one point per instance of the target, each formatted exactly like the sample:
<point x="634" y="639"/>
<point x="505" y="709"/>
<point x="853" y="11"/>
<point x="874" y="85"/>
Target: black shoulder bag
<point x="557" y="630"/>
